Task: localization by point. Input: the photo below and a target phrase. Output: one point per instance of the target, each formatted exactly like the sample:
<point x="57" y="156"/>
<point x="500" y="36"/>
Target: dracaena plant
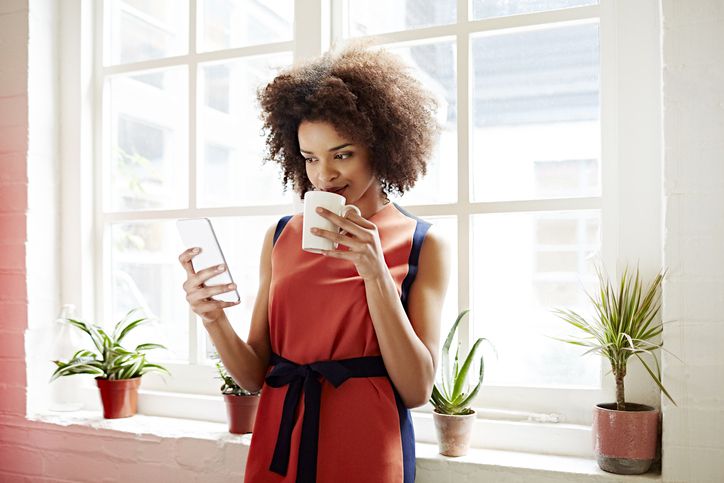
<point x="229" y="385"/>
<point x="622" y="326"/>
<point x="111" y="361"/>
<point x="454" y="395"/>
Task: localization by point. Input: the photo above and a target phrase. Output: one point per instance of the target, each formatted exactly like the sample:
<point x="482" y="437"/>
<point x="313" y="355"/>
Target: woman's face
<point x="335" y="163"/>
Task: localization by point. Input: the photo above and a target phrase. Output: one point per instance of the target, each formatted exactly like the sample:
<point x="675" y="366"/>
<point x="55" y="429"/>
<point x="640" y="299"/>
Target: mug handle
<point x="345" y="210"/>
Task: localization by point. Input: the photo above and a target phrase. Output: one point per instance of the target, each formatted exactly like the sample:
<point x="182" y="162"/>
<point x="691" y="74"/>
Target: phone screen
<point x="198" y="232"/>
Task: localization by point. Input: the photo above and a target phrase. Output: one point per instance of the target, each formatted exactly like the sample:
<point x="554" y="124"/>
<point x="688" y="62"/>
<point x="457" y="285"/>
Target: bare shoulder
<point x="434" y="259"/>
<point x="427" y="294"/>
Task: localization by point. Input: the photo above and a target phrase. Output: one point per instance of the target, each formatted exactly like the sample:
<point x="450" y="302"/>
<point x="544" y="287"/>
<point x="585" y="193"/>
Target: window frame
<point x="622" y="91"/>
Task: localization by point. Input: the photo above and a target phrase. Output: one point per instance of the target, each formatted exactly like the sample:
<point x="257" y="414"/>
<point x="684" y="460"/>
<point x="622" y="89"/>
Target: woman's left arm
<point x="410" y="341"/>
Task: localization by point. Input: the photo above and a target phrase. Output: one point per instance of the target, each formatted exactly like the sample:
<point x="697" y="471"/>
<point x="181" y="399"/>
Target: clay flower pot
<point x="241" y="412"/>
<point x="119" y="397"/>
<point x="453" y="432"/>
<point x="625" y="441"/>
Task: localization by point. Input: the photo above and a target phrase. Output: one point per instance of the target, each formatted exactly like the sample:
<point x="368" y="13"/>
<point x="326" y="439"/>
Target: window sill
<point x="431" y="466"/>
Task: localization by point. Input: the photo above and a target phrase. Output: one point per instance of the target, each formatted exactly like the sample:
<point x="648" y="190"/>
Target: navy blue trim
<point x="417" y="239"/>
<point x="280" y="226"/>
<point x="407" y="434"/>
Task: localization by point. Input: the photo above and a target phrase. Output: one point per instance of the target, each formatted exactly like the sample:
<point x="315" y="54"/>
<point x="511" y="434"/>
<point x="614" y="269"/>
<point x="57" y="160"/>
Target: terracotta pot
<point x="241" y="412"/>
<point x="119" y="397"/>
<point x="453" y="432"/>
<point x="625" y="441"/>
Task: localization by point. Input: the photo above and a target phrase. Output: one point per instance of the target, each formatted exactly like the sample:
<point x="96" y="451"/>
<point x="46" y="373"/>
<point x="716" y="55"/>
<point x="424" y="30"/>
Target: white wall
<point x="693" y="111"/>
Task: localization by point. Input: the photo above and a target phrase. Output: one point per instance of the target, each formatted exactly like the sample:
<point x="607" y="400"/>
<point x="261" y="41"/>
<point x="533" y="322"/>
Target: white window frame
<point x="509" y="418"/>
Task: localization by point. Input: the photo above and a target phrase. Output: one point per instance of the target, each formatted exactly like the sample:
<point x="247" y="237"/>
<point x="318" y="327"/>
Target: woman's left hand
<point x="361" y="239"/>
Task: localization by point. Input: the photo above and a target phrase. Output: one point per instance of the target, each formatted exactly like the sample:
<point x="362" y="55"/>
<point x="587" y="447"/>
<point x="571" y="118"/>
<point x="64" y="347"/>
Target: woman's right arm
<point x="246" y="362"/>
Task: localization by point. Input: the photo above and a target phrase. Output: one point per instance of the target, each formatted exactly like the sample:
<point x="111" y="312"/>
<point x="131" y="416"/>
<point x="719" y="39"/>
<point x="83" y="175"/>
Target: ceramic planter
<point x="625" y="441"/>
<point x="241" y="412"/>
<point x="119" y="397"/>
<point x="453" y="432"/>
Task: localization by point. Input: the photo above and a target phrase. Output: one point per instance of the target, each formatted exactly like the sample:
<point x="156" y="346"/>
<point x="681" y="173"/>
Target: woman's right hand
<point x="198" y="295"/>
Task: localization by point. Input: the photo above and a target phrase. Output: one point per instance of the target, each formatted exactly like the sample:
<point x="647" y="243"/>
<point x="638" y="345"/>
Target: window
<point x="520" y="85"/>
<point x="516" y="182"/>
<point x="180" y="137"/>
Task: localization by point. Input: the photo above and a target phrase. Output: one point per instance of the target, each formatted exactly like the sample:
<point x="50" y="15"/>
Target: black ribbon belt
<point x="298" y="376"/>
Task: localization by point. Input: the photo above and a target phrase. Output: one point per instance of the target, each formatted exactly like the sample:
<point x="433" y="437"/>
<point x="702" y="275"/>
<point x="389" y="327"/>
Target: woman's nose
<point x="327" y="171"/>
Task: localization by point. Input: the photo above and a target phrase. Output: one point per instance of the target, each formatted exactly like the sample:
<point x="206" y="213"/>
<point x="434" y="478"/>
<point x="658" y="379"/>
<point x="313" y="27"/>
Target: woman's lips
<point x="339" y="191"/>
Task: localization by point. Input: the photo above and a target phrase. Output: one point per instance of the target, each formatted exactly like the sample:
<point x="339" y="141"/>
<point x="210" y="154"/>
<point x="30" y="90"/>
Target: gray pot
<point x="453" y="432"/>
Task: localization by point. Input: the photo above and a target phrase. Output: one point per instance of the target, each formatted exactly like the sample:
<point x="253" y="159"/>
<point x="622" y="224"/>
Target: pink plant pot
<point x="625" y="441"/>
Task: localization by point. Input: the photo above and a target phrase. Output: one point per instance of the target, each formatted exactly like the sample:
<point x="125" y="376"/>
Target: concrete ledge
<point x="478" y="465"/>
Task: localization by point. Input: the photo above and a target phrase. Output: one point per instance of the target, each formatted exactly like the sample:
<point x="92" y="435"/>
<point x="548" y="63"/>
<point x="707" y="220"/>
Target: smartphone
<point x="198" y="232"/>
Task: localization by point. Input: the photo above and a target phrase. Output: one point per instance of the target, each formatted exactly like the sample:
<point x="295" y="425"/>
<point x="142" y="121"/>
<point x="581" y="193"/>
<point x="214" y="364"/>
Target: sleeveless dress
<point x="328" y="411"/>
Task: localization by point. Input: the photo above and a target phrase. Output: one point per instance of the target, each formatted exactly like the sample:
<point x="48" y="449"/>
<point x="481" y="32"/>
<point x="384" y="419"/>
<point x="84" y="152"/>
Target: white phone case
<point x="198" y="232"/>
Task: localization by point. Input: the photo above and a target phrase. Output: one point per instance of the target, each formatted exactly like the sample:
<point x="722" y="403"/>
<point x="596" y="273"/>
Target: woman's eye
<point x="346" y="155"/>
<point x="308" y="160"/>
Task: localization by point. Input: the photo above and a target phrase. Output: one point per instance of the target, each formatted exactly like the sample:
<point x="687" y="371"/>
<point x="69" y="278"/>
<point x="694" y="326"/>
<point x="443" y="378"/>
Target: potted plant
<point x="240" y="404"/>
<point x="118" y="370"/>
<point x="452" y="413"/>
<point x="625" y="433"/>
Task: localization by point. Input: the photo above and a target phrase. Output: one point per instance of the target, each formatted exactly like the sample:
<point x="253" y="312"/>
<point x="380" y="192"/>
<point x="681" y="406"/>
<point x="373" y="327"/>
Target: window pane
<point x="231" y="150"/>
<point x="433" y="64"/>
<point x="524" y="266"/>
<point x="367" y="17"/>
<point x="447" y="226"/>
<point x="225" y="24"/>
<point x="145" y="29"/>
<point x="147" y="132"/>
<point x="499" y="8"/>
<point x="145" y="273"/>
<point x="241" y="239"/>
<point x="536" y="129"/>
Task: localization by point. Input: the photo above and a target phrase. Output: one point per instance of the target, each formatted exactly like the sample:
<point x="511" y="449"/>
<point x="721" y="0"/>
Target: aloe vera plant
<point x="454" y="395"/>
<point x="623" y="326"/>
<point x="111" y="361"/>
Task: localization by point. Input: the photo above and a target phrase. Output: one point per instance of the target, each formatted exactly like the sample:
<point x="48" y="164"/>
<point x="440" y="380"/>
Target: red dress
<point x="325" y="356"/>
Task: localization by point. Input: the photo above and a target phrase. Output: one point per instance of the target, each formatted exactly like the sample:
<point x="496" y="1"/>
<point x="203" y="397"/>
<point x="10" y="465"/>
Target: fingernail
<point x="220" y="267"/>
<point x="195" y="250"/>
<point x="320" y="210"/>
<point x="231" y="285"/>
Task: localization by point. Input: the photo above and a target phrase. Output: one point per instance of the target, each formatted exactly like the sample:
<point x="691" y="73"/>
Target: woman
<point x="341" y="344"/>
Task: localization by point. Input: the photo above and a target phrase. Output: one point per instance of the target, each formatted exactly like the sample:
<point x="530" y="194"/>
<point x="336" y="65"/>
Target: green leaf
<point x="130" y="327"/>
<point x="149" y="346"/>
<point x="154" y="367"/>
<point x="657" y="379"/>
<point x="439" y="401"/>
<point x="445" y="363"/>
<point x="123" y="320"/>
<point x="462" y="377"/>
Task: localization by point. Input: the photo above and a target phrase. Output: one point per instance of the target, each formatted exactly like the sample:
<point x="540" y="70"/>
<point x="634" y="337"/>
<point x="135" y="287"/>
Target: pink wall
<point x="13" y="206"/>
<point x="14" y="457"/>
<point x="38" y="452"/>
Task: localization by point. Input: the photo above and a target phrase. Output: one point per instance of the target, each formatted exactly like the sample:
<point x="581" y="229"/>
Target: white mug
<point x="334" y="203"/>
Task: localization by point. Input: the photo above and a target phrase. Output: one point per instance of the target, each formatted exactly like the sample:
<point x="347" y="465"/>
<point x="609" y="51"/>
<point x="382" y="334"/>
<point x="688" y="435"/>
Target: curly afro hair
<point x="367" y="95"/>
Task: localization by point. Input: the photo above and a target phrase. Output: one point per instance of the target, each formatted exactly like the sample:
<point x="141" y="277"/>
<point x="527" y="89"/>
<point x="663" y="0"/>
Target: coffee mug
<point x="334" y="203"/>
